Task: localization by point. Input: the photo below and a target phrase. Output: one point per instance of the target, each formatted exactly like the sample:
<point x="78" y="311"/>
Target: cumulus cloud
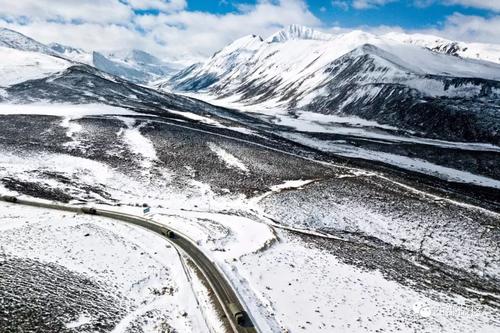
<point x="96" y="11"/>
<point x="470" y="28"/>
<point x="203" y="33"/>
<point x="174" y="32"/>
<point x="89" y="36"/>
<point x="493" y="5"/>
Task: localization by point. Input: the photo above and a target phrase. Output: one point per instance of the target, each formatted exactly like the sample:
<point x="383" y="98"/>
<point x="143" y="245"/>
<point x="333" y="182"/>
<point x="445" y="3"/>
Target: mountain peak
<point x="297" y="32"/>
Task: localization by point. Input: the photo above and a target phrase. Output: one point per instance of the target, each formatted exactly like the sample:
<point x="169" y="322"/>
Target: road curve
<point x="225" y="294"/>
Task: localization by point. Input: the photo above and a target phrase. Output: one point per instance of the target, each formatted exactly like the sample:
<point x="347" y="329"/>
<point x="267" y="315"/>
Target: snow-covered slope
<point x="18" y="41"/>
<point x="17" y="66"/>
<point x="376" y="77"/>
<point x="23" y="58"/>
<point x="134" y="65"/>
<point x="295" y="53"/>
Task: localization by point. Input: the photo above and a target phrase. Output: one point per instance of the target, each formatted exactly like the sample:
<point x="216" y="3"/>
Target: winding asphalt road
<point x="225" y="294"/>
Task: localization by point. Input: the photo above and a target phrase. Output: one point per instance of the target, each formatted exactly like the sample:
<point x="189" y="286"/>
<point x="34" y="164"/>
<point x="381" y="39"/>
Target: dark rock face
<point x="474" y="117"/>
<point x="201" y="82"/>
<point x="83" y="84"/>
<point x="35" y="189"/>
<point x="450" y="48"/>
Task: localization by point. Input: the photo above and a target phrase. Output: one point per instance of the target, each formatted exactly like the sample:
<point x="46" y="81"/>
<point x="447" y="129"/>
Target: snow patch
<point x="138" y="143"/>
<point x="82" y="320"/>
<point x="195" y="117"/>
<point x="291" y="184"/>
<point x="72" y="129"/>
<point x="230" y="160"/>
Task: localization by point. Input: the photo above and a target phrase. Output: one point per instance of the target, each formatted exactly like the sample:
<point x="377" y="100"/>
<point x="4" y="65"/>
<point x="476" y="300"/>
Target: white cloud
<point x="89" y="36"/>
<point x="361" y="4"/>
<point x="202" y="33"/>
<point x="484" y="4"/>
<point x="340" y="4"/>
<point x="179" y="34"/>
<point x="423" y="3"/>
<point x="161" y="5"/>
<point x="366" y="4"/>
<point x="493" y="5"/>
<point x="97" y="11"/>
<point x="175" y="33"/>
<point x="470" y="28"/>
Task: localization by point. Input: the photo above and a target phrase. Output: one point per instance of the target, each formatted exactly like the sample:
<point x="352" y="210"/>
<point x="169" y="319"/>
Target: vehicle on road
<point x="238" y="313"/>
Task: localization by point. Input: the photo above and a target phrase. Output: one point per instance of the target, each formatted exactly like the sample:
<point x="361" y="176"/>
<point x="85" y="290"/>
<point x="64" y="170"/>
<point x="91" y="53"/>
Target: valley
<point x="322" y="213"/>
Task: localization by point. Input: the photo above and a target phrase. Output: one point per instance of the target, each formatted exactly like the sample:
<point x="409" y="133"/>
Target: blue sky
<point x="400" y="13"/>
<point x="405" y="14"/>
<point x="186" y="30"/>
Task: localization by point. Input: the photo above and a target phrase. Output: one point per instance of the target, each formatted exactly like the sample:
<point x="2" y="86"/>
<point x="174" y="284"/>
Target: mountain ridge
<point x="16" y="40"/>
<point x="359" y="74"/>
<point x="134" y="65"/>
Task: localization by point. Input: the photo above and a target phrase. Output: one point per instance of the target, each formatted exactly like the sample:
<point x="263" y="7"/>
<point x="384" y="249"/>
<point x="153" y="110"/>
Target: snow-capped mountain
<point x="479" y="51"/>
<point x="33" y="72"/>
<point x="381" y="78"/>
<point x="135" y="65"/>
